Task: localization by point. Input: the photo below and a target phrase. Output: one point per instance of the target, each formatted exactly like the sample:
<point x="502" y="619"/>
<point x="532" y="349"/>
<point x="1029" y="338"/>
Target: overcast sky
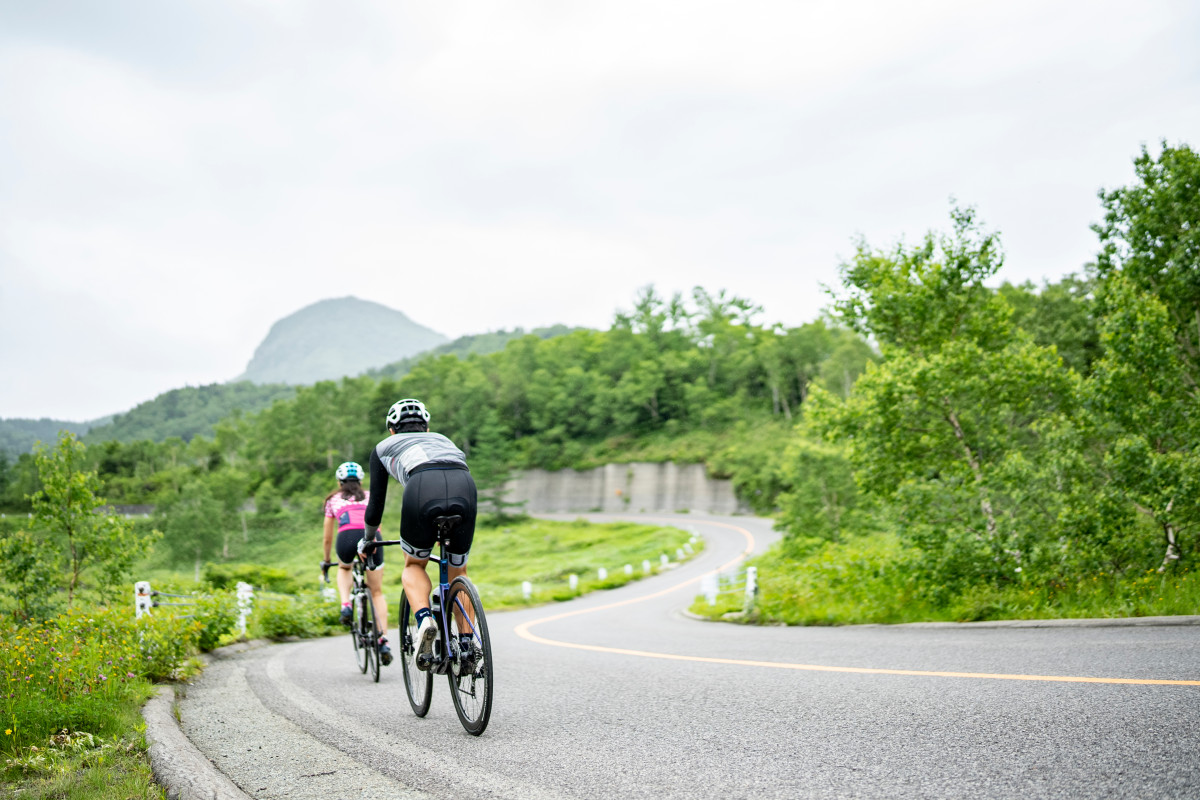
<point x="176" y="176"/>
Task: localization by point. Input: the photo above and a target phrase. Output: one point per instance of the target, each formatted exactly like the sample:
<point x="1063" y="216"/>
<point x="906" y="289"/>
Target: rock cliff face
<point x="335" y="338"/>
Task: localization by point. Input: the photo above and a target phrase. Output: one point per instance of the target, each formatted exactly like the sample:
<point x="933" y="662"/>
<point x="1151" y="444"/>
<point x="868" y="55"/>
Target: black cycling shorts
<point x="433" y="492"/>
<point x="347" y="548"/>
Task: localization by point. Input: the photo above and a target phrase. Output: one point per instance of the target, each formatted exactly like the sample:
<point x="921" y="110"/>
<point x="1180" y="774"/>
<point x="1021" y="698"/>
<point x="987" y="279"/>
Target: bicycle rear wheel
<point x="417" y="683"/>
<point x="361" y="654"/>
<point x="370" y="634"/>
<point x="471" y="672"/>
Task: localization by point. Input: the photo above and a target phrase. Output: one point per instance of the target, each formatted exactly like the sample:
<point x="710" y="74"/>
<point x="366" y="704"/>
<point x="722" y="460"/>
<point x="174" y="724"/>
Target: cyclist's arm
<point x="328" y="543"/>
<point x="379" y="487"/>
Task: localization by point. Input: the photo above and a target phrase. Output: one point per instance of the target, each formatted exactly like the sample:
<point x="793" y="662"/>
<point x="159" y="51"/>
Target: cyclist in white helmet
<point x="434" y="476"/>
<point x="345" y="508"/>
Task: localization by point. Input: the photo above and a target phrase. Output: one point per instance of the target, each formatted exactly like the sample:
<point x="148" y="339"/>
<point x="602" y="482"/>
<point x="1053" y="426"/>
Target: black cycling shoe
<point x="385" y="652"/>
<point x="345" y="616"/>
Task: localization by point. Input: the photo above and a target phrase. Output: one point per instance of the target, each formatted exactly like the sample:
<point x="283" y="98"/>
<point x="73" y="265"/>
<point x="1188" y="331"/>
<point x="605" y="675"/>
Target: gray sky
<point x="175" y="177"/>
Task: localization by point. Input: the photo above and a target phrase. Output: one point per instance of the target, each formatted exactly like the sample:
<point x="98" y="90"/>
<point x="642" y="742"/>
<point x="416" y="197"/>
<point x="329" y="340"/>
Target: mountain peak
<point x="333" y="338"/>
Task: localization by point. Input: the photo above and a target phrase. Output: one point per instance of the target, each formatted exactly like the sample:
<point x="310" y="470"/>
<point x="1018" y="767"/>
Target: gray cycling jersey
<point x="401" y="453"/>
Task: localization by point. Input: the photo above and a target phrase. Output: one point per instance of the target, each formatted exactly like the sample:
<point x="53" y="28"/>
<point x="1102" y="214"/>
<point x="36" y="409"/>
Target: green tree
<point x="1149" y="414"/>
<point x="1063" y="315"/>
<point x="931" y="428"/>
<point x="69" y="508"/>
<point x="192" y="525"/>
<point x="491" y="464"/>
<point x="22" y="484"/>
<point x="822" y="496"/>
<point x="1151" y="235"/>
<point x="32" y="572"/>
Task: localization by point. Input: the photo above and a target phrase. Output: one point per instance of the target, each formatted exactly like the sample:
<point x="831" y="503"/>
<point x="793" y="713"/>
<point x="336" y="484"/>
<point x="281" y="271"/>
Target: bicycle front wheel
<point x="356" y="626"/>
<point x="471" y="672"/>
<point x="370" y="637"/>
<point x="417" y="683"/>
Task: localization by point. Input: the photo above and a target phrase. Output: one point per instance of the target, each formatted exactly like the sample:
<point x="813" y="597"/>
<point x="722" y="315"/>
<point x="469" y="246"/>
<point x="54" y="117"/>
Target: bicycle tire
<point x="371" y="634"/>
<point x="356" y="611"/>
<point x="471" y="689"/>
<point x="418" y="684"/>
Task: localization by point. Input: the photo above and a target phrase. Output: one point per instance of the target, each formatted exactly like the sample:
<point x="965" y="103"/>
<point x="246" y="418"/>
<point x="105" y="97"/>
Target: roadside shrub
<point x="271" y="579"/>
<point x="217" y="613"/>
<point x="304" y="615"/>
<point x="166" y="642"/>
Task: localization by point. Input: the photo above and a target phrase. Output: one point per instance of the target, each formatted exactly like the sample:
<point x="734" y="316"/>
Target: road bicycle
<point x="462" y="652"/>
<point x="364" y="628"/>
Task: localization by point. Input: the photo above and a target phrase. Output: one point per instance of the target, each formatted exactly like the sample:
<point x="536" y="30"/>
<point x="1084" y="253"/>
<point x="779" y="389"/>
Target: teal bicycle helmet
<point x="349" y="471"/>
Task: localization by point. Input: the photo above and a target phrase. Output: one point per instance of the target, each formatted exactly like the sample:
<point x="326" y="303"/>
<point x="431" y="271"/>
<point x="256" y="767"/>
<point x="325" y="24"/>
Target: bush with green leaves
<point x="271" y="579"/>
<point x="217" y="614"/>
<point x="304" y="615"/>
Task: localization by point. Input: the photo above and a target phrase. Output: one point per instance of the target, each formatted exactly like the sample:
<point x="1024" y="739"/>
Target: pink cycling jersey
<point x="347" y="511"/>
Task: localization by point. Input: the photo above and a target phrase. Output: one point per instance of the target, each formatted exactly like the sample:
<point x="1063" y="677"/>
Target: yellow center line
<point x="523" y="630"/>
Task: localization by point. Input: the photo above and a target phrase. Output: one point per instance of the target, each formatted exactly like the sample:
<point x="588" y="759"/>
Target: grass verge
<point x="869" y="579"/>
<point x="504" y="555"/>
<point x="81" y="767"/>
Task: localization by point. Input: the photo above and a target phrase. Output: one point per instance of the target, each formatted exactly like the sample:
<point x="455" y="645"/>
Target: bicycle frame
<point x="445" y="653"/>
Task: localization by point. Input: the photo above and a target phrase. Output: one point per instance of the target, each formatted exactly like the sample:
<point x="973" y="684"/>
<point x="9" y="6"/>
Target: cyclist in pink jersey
<point x="344" y="510"/>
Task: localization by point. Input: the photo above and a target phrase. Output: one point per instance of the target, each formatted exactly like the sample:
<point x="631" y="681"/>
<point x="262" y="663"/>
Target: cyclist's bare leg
<point x="375" y="584"/>
<point x="344" y="581"/>
<point x="417" y="585"/>
<point x="458" y="612"/>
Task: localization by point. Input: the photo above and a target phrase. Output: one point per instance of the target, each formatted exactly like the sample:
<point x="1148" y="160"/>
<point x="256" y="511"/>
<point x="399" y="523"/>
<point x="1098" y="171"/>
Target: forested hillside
<point x="471" y="344"/>
<point x="20" y="435"/>
<point x="188" y="412"/>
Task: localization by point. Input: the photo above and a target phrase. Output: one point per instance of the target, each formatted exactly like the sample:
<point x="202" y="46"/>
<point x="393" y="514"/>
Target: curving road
<point x="618" y="694"/>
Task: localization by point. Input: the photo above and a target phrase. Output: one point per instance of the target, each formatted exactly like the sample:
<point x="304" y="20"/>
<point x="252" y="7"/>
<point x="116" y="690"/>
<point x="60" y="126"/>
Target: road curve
<point x="618" y="694"/>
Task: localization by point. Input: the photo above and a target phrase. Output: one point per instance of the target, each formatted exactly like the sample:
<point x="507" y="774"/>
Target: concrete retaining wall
<point x="624" y="487"/>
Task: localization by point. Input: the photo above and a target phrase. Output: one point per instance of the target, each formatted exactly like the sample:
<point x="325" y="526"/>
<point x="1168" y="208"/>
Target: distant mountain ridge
<point x="193" y="410"/>
<point x="479" y="344"/>
<point x="187" y="412"/>
<point x="21" y="435"/>
<point x="334" y="338"/>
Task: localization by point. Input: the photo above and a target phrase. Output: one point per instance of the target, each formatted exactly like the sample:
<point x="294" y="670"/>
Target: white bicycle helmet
<point x="408" y="409"/>
<point x="349" y="471"/>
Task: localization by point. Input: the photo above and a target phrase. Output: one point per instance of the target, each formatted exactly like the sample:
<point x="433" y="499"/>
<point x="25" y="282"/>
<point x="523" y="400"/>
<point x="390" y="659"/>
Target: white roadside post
<point x="664" y="560"/>
<point x="679" y="553"/>
<point x="603" y="573"/>
<point x="526" y="589"/>
<point x="573" y="582"/>
<point x="245" y="599"/>
<point x="646" y="566"/>
<point x="751" y="587"/>
<point x="708" y="587"/>
<point x="687" y="546"/>
<point x="142" y="599"/>
<point x="629" y="569"/>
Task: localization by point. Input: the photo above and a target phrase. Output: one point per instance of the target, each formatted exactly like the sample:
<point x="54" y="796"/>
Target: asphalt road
<point x="618" y="694"/>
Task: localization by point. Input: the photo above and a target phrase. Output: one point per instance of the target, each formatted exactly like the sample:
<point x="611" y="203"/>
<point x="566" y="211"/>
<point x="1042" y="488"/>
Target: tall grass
<point x="84" y="671"/>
